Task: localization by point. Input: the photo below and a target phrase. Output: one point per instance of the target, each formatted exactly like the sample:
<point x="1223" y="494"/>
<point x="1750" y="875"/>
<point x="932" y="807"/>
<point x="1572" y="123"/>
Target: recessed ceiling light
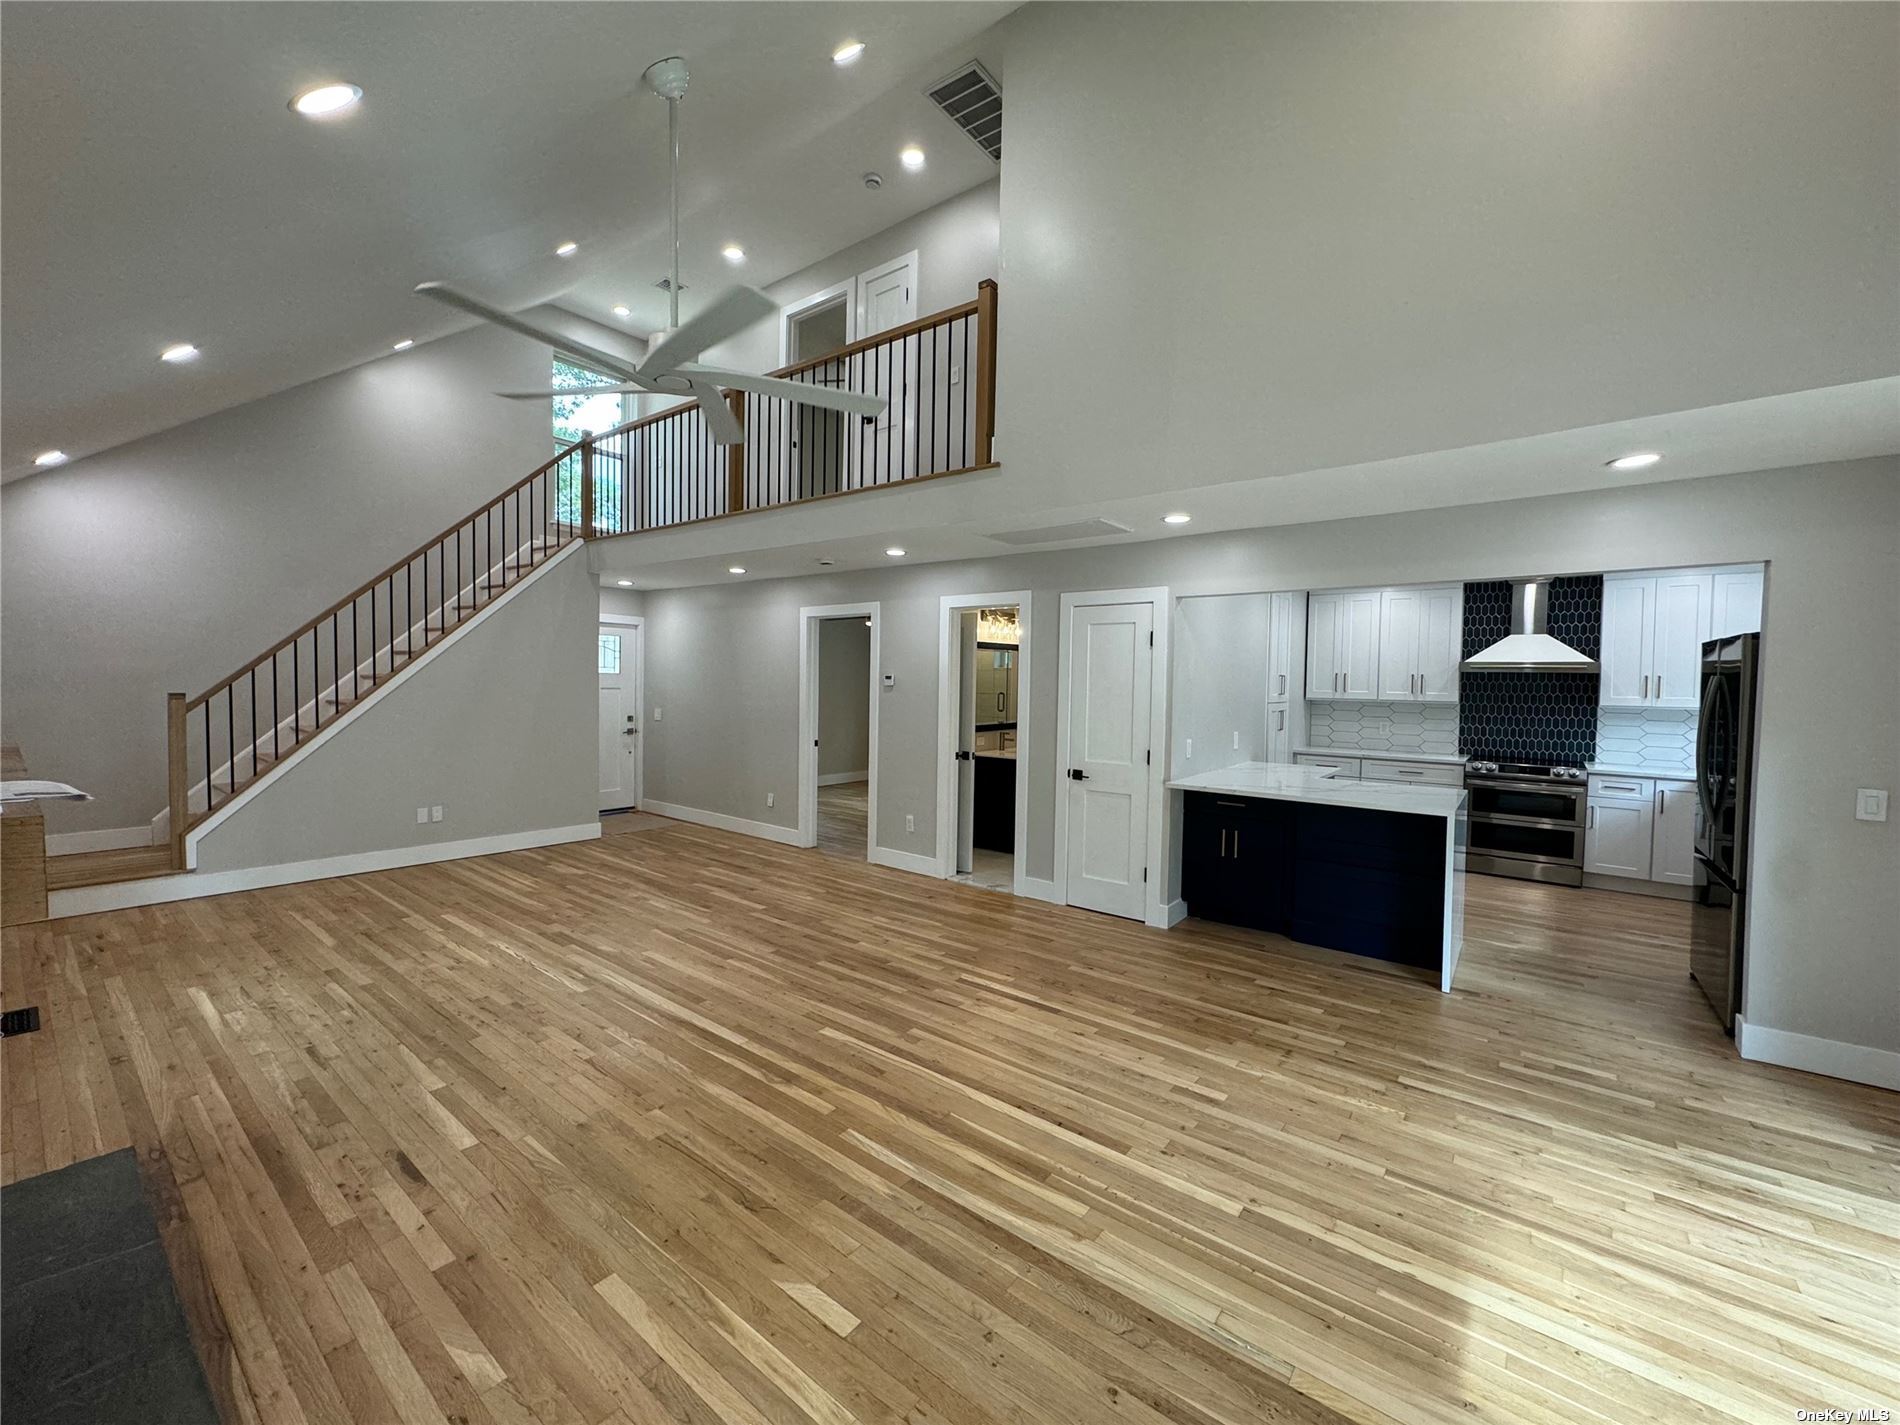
<point x="50" y="457"/>
<point x="1176" y="518"/>
<point x="895" y="552"/>
<point x="326" y="99"/>
<point x="182" y="352"/>
<point x="622" y="311"/>
<point x="848" y="52"/>
<point x="912" y="158"/>
<point x="736" y="569"/>
<point x="403" y="345"/>
<point x="567" y="249"/>
<point x="624" y="583"/>
<point x="733" y="253"/>
<point x="1640" y="460"/>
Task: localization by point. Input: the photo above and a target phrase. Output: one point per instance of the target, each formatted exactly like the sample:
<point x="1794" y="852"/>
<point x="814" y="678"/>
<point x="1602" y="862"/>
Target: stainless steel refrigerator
<point x="1724" y="769"/>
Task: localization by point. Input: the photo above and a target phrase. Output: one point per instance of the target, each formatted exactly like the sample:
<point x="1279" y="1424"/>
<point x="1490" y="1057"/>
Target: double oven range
<point x="1527" y="820"/>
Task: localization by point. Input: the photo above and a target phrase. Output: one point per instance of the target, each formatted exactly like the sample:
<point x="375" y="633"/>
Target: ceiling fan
<point x="671" y="367"/>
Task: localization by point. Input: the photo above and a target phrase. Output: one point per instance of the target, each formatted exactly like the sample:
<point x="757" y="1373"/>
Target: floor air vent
<point x="1059" y="533"/>
<point x="974" y="102"/>
<point x="19" y="1021"/>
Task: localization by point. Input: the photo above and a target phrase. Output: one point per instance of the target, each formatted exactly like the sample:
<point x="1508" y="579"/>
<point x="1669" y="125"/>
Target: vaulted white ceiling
<point x="157" y="189"/>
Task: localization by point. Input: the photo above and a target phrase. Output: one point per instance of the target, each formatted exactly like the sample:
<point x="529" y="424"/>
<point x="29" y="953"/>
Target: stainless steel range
<point x="1527" y="820"/>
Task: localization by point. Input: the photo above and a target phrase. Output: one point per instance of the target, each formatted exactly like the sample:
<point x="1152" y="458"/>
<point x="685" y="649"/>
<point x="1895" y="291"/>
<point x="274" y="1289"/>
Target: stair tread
<point x="101" y="868"/>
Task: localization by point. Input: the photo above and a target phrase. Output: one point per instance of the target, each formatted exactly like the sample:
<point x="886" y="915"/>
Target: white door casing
<point x="618" y="663"/>
<point x="887" y="298"/>
<point x="809" y="619"/>
<point x="1109" y="669"/>
<point x="966" y="739"/>
<point x="955" y="687"/>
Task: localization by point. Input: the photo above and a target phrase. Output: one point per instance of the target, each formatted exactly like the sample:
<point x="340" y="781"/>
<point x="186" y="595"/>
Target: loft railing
<point x="938" y="373"/>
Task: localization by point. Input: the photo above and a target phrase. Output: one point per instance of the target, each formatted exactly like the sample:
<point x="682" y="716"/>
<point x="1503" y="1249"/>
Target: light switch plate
<point x="1870" y="804"/>
<point x="422" y="816"/>
<point x="435" y="813"/>
<point x="658" y="713"/>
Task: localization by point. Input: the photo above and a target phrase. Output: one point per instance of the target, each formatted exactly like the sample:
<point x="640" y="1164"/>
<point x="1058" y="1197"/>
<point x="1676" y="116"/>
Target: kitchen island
<point x="1374" y="868"/>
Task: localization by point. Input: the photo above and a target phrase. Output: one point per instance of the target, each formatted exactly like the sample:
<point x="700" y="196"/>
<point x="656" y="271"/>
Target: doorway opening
<point x="838" y="678"/>
<point x="983" y="782"/>
<point x="621" y="663"/>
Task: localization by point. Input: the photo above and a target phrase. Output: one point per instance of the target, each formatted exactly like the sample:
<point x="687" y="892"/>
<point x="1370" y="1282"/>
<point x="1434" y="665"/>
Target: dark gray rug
<point x="90" y="1328"/>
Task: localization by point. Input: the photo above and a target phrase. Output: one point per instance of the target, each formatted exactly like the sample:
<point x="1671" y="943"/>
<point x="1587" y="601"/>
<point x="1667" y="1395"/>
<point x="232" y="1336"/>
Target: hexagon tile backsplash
<point x="1514" y="716"/>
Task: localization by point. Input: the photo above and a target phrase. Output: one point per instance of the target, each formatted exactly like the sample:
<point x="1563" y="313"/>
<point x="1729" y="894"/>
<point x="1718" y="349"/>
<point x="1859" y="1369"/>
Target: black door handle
<point x="963" y="756"/>
<point x="1076" y="774"/>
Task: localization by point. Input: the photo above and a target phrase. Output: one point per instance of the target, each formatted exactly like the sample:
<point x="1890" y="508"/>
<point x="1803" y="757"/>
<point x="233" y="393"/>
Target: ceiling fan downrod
<point x="667" y="78"/>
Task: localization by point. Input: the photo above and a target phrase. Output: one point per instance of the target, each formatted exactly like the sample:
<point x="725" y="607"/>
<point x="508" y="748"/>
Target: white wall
<point x="163" y="564"/>
<point x="1827" y="887"/>
<point x="844" y="697"/>
<point x="498" y="728"/>
<point x="1220" y="682"/>
<point x="1243" y="240"/>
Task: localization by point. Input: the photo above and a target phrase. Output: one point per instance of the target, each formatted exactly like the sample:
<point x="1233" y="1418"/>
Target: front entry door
<point x="619" y="662"/>
<point x="1110" y="671"/>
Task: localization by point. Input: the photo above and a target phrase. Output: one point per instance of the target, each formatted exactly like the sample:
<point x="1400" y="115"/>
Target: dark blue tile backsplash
<point x="1511" y="716"/>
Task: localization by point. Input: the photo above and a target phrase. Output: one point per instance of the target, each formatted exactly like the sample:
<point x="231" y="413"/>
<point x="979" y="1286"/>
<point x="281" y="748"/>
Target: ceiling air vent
<point x="1061" y="533"/>
<point x="973" y="100"/>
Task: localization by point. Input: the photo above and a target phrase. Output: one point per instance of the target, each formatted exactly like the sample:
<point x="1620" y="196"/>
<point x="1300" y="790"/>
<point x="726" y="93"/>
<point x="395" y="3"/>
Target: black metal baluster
<point x="276" y="718"/>
<point x="253" y="720"/>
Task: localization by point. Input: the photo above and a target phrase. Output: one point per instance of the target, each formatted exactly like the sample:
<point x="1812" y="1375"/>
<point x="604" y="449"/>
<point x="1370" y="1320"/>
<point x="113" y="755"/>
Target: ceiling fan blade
<point x="608" y="363"/>
<point x="832" y="398"/>
<point x="718" y="416"/>
<point x="624" y="389"/>
<point x="731" y="313"/>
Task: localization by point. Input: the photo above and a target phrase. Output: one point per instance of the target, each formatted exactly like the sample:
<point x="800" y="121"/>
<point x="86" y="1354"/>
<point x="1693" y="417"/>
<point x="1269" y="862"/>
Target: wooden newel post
<point x="735" y="457"/>
<point x="177" y="776"/>
<point x="587" y="490"/>
<point x="985" y="369"/>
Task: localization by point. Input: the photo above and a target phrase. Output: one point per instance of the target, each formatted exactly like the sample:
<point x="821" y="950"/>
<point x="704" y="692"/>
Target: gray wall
<point x="1827" y="887"/>
<point x="1220" y="682"/>
<point x="163" y="564"/>
<point x="498" y="729"/>
<point x="844" y="696"/>
<point x="1327" y="234"/>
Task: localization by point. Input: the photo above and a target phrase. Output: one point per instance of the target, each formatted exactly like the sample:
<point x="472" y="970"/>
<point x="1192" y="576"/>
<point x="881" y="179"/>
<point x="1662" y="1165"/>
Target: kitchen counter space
<point x="1633" y="769"/>
<point x="1441" y="759"/>
<point x="1287" y="782"/>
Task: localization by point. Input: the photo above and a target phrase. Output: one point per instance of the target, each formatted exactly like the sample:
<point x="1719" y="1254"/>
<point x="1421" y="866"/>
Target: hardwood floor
<point x="687" y="1127"/>
<point x="842" y="812"/>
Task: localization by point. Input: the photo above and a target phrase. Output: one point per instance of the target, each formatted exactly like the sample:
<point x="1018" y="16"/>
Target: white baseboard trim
<point x="1036" y="889"/>
<point x="907" y="861"/>
<point x="112" y="838"/>
<point x="1857" y="1063"/>
<point x="832" y="779"/>
<point x="1170" y="915"/>
<point x="196" y="885"/>
<point x="787" y="835"/>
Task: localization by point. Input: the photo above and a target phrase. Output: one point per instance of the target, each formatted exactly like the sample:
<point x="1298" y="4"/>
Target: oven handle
<point x="1543" y="823"/>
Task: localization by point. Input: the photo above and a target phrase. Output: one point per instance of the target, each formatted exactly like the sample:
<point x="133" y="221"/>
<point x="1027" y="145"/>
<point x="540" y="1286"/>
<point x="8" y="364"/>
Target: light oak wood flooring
<point x="688" y="1127"/>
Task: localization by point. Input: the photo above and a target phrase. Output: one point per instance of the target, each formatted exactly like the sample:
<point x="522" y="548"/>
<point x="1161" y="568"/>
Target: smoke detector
<point x="874" y="180"/>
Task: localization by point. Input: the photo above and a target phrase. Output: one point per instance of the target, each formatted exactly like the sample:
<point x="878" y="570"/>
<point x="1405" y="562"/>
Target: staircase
<point x="938" y="373"/>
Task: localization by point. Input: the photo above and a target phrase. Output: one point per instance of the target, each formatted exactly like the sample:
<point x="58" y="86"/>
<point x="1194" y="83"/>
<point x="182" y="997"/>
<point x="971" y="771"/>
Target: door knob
<point x="1076" y="774"/>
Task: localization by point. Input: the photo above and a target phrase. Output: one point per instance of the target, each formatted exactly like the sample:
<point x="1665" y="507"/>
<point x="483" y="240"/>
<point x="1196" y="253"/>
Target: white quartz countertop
<point x="1442" y="759"/>
<point x="1287" y="782"/>
<point x="1636" y="769"/>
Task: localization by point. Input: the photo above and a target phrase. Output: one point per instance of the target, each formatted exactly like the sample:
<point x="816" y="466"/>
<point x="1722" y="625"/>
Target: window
<point x="609" y="658"/>
<point x="575" y="418"/>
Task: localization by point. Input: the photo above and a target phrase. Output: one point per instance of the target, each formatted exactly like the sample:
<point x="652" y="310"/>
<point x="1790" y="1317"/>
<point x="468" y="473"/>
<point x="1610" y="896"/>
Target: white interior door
<point x="966" y="740"/>
<point x="618" y="661"/>
<point x="1110" y="673"/>
<point x="887" y="298"/>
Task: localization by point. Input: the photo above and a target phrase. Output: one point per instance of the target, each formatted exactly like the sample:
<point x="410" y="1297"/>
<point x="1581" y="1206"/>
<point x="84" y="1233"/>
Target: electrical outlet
<point x="435" y="813"/>
<point x="1870" y="804"/>
<point x="1190" y="749"/>
<point x="771" y="799"/>
<point x="422" y="816"/>
<point x="1236" y="739"/>
<point x="910" y="823"/>
<point x="956" y="372"/>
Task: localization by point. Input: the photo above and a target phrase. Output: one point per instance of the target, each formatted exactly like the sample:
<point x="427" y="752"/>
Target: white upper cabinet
<point x="1359" y="644"/>
<point x="1286" y="632"/>
<point x="1400" y="617"/>
<point x="1322" y="644"/>
<point x="1654" y="626"/>
<point x="1737" y="603"/>
<point x="1441" y="633"/>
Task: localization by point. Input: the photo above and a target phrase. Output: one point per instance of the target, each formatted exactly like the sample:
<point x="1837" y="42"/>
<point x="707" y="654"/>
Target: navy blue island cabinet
<point x="1376" y="872"/>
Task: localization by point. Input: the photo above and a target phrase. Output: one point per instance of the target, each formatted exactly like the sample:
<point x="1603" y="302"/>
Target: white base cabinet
<point x="1642" y="829"/>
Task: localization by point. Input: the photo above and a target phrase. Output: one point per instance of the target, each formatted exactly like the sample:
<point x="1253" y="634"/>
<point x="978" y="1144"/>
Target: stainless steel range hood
<point x="1530" y="648"/>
